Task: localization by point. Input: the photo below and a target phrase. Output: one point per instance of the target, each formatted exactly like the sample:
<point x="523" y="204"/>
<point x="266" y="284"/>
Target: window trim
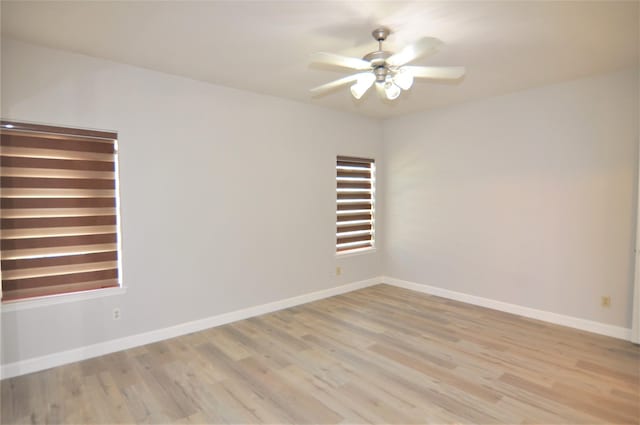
<point x="55" y="299"/>
<point x="356" y="251"/>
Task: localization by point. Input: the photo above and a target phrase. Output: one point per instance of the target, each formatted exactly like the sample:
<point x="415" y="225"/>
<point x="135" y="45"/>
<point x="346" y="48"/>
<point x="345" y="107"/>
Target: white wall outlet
<point x="116" y="314"/>
<point x="338" y="271"/>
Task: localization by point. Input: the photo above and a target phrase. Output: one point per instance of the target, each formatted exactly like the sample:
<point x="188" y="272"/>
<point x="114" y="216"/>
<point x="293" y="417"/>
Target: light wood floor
<point x="381" y="355"/>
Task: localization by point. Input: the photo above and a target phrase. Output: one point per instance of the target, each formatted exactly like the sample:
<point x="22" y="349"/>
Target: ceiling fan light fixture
<point x="388" y="70"/>
<point x="364" y="82"/>
<point x="403" y="79"/>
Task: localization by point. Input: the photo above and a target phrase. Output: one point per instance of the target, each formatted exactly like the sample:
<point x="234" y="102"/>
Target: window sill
<point x="48" y="300"/>
<point x="354" y="252"/>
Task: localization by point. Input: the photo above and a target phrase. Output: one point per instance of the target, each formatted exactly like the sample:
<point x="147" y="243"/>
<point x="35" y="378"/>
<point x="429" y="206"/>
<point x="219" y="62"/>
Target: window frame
<point x="75" y="294"/>
<point x="358" y="162"/>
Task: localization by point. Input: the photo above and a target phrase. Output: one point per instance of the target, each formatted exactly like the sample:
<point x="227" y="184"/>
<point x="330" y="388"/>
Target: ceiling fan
<point x="387" y="70"/>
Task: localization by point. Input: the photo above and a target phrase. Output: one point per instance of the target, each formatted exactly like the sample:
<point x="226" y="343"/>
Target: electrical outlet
<point x="116" y="314"/>
<point x="338" y="271"/>
<point x="605" y="301"/>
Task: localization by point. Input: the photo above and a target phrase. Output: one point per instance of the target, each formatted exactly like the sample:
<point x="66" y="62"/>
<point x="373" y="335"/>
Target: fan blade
<point x="436" y="72"/>
<point x="422" y="47"/>
<point x="339" y="60"/>
<point x="334" y="84"/>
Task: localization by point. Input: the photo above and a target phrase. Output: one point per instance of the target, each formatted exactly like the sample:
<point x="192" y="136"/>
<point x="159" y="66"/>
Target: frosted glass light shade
<point x="403" y="79"/>
<point x="391" y="90"/>
<point x="365" y="80"/>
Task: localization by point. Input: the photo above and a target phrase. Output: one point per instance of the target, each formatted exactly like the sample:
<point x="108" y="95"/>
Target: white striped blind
<point x="355" y="186"/>
<point x="58" y="216"/>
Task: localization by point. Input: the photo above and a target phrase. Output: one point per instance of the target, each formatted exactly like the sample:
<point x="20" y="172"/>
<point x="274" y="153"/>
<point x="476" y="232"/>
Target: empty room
<point x="319" y="212"/>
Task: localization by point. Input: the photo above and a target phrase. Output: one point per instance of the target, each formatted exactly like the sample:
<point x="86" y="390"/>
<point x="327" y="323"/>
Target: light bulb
<point x="365" y="80"/>
<point x="391" y="90"/>
<point x="404" y="79"/>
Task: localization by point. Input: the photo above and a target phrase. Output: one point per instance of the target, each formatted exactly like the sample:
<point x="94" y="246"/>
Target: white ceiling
<point x="264" y="46"/>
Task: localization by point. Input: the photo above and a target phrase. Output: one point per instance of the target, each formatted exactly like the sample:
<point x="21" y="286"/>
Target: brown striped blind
<point x="59" y="210"/>
<point x="355" y="181"/>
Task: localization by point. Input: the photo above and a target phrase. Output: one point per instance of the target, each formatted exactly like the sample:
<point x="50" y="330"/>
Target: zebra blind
<point x="355" y="180"/>
<point x="59" y="210"/>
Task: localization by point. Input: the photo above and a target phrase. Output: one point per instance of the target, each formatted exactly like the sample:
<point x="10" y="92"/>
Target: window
<point x="59" y="210"/>
<point x="355" y="180"/>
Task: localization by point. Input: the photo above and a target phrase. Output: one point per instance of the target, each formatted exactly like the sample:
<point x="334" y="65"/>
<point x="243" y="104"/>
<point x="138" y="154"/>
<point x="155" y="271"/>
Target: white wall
<point x="526" y="198"/>
<point x="228" y="197"/>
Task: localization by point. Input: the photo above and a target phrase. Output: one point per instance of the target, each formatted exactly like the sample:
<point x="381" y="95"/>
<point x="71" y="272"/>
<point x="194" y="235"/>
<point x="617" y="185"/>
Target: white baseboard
<point x="35" y="364"/>
<point x="546" y="316"/>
